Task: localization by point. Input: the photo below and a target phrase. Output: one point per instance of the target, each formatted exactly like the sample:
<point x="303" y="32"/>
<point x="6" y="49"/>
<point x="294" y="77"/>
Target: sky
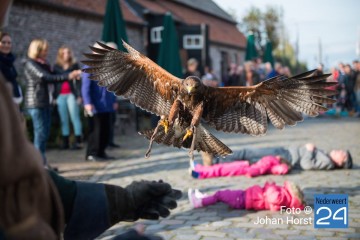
<point x="334" y="23"/>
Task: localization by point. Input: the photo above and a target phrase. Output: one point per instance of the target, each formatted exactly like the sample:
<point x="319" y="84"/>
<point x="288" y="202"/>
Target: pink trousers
<point x="233" y="198"/>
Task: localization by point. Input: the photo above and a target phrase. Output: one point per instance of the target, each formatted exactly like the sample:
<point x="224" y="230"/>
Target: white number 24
<point x="321" y="221"/>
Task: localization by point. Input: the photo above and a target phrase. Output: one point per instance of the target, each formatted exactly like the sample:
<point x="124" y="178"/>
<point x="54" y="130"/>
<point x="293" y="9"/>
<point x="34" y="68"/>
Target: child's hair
<point x="298" y="192"/>
<point x="348" y="162"/>
<point x="284" y="160"/>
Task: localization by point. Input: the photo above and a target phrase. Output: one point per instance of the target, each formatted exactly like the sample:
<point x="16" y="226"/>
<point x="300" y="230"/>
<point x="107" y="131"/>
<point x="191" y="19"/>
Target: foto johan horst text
<point x="288" y="220"/>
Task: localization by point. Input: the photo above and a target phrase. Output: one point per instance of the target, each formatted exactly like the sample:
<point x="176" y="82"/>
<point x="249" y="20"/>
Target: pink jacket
<point x="266" y="165"/>
<point x="271" y="197"/>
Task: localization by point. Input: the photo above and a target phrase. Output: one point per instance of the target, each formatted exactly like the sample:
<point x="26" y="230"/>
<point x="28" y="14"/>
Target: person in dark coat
<point x="99" y="104"/>
<point x="38" y="76"/>
<point x="7" y="67"/>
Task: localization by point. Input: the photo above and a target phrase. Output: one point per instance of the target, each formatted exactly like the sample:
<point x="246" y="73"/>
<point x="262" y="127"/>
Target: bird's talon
<point x="165" y="124"/>
<point x="189" y="133"/>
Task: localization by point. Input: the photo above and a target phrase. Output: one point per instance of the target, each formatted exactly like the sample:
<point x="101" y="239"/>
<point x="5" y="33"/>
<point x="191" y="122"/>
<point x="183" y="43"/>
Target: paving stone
<point x="155" y="227"/>
<point x="186" y="237"/>
<point x="261" y="231"/>
<point x="249" y="225"/>
<point x="172" y="222"/>
<point x="300" y="237"/>
<point x="239" y="219"/>
<point x="205" y="214"/>
<point x="204" y="228"/>
<point x="332" y="238"/>
<point x="238" y="233"/>
<point x="221" y="224"/>
<point x="321" y="233"/>
<point x="216" y="238"/>
<point x="166" y="235"/>
<point x="190" y="217"/>
<point x="269" y="236"/>
<point x="212" y="233"/>
<point x="210" y="219"/>
<point x="353" y="235"/>
<point x="287" y="232"/>
<point x="345" y="230"/>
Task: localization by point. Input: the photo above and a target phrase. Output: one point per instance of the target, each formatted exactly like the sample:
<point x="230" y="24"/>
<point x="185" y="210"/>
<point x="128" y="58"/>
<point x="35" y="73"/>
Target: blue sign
<point x="331" y="210"/>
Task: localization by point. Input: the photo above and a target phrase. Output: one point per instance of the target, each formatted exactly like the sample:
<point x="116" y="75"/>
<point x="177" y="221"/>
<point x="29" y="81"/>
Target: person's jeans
<point x="66" y="103"/>
<point x="41" y="118"/>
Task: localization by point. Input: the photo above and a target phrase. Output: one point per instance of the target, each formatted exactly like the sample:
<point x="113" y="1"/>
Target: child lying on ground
<point x="266" y="165"/>
<point x="270" y="197"/>
<point x="305" y="157"/>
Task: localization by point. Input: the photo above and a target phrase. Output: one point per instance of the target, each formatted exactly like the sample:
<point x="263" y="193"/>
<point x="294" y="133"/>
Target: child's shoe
<point x="194" y="201"/>
<point x="195" y="174"/>
<point x="199" y="194"/>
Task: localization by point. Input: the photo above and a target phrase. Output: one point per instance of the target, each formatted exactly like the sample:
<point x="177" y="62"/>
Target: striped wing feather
<point x="205" y="141"/>
<point x="281" y="99"/>
<point x="133" y="76"/>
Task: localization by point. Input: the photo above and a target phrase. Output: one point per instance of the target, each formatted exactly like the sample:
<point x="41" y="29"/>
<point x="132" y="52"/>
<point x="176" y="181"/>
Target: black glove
<point x="144" y="199"/>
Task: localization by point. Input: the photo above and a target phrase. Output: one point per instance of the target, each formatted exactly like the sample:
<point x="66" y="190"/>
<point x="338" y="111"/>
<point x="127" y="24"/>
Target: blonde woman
<point x="38" y="75"/>
<point x="68" y="98"/>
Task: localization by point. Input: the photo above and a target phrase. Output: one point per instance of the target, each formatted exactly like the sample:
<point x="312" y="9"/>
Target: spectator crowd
<point x="254" y="72"/>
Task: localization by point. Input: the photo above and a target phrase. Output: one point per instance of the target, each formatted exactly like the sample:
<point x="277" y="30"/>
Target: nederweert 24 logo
<point x="331" y="210"/>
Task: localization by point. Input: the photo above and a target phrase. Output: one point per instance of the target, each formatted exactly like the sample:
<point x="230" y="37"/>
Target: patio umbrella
<point x="114" y="25"/>
<point x="251" y="52"/>
<point x="169" y="56"/>
<point x="268" y="55"/>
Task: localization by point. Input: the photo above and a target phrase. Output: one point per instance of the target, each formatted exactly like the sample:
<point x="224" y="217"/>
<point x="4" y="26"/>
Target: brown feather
<point x="283" y="99"/>
<point x="133" y="76"/>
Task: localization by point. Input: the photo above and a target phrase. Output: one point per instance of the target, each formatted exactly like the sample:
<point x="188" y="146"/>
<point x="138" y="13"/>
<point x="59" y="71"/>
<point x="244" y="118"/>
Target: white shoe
<point x="194" y="201"/>
<point x="192" y="165"/>
<point x="199" y="194"/>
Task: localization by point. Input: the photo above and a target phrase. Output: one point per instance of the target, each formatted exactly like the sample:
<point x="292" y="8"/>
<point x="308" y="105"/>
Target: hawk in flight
<point x="183" y="104"/>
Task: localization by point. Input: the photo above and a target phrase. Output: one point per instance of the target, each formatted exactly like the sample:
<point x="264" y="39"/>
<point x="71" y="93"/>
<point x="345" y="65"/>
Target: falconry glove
<point x="141" y="199"/>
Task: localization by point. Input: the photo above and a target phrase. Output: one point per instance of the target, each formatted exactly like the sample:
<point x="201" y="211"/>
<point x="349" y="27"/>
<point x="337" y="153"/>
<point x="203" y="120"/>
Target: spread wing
<point x="133" y="76"/>
<point x="282" y="99"/>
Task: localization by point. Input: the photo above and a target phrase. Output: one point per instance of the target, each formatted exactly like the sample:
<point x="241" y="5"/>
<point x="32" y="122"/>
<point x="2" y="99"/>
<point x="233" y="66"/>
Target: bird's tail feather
<point x="206" y="142"/>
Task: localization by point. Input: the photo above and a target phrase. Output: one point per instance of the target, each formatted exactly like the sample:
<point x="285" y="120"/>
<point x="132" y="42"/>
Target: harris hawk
<point x="183" y="103"/>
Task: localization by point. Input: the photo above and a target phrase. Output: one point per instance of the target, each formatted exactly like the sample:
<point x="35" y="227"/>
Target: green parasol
<point x="114" y="25"/>
<point x="169" y="55"/>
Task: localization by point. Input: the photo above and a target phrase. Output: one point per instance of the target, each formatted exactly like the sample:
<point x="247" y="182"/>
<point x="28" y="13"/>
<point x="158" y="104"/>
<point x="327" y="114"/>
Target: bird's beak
<point x="189" y="89"/>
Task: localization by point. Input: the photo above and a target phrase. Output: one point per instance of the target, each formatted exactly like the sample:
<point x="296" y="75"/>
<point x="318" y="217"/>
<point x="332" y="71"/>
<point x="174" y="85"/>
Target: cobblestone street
<point x="218" y="221"/>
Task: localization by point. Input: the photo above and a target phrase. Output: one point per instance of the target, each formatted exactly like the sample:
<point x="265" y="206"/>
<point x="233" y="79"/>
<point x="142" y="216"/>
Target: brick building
<point x="78" y="23"/>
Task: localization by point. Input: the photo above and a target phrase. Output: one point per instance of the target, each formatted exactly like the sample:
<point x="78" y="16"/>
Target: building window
<point x="236" y="59"/>
<point x="193" y="41"/>
<point x="155" y="34"/>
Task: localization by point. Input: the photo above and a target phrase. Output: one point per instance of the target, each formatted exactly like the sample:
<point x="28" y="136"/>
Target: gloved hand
<point x="144" y="199"/>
